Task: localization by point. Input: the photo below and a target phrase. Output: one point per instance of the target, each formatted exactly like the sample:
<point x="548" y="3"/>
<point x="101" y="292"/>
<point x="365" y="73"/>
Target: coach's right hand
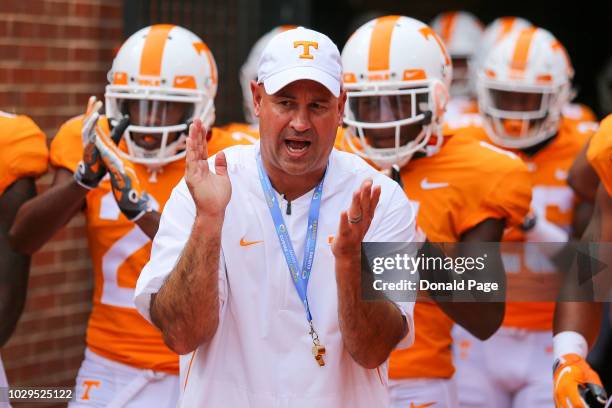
<point x="211" y="192"/>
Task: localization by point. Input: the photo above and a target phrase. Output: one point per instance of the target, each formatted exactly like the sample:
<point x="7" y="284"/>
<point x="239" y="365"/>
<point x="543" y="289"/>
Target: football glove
<point x="91" y="169"/>
<point x="576" y="385"/>
<point x="131" y="199"/>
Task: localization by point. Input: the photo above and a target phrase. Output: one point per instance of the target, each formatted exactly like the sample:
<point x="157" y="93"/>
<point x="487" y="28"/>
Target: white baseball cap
<point x="300" y="54"/>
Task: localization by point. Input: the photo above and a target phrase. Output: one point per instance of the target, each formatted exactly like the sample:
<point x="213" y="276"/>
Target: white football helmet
<point x="248" y="71"/>
<point x="496" y="31"/>
<point x="461" y="33"/>
<point x="164" y="76"/>
<point x="396" y="74"/>
<point x="522" y="87"/>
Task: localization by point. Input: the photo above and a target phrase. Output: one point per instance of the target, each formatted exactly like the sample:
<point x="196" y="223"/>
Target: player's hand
<point x="90" y="170"/>
<point x="355" y="222"/>
<point x="131" y="199"/>
<point x="576" y="385"/>
<point x="211" y="192"/>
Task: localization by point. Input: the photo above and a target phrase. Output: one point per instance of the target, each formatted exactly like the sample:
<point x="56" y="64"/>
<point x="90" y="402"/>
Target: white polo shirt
<point x="261" y="355"/>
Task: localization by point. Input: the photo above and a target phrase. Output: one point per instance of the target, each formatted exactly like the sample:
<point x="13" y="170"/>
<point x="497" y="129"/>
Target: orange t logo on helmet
<point x="306" y="44"/>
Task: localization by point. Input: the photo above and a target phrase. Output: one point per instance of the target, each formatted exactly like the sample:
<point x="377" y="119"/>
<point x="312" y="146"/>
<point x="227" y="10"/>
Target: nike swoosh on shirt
<point x="427" y="404"/>
<point x="247" y="243"/>
<point x="426" y="185"/>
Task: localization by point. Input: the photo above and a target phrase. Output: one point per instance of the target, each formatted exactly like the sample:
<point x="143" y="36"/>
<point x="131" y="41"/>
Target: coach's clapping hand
<point x="211" y="192"/>
<point x="355" y="222"/>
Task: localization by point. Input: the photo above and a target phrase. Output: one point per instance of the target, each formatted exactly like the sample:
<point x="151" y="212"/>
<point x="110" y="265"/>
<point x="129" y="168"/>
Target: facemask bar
<point x="203" y="108"/>
<point x="466" y="87"/>
<point x="536" y="125"/>
<point x="400" y="154"/>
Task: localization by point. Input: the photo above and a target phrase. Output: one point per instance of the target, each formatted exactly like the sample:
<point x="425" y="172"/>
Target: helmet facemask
<point x="391" y="124"/>
<point x="159" y="120"/>
<point x="462" y="82"/>
<point x="520" y="116"/>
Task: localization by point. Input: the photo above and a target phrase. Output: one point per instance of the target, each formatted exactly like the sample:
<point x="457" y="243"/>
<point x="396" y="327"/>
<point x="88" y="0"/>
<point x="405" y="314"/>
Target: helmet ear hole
<point x="438" y="99"/>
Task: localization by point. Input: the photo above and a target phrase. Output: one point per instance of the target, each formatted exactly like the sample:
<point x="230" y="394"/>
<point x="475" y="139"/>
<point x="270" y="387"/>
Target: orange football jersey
<point x="462" y="185"/>
<point x="599" y="153"/>
<point x="242" y="131"/>
<point x="23" y="149"/>
<point x="552" y="196"/>
<point x="577" y="114"/>
<point x="119" y="250"/>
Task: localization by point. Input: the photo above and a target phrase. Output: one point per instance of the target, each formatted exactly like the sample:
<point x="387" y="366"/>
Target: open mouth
<point x="297" y="146"/>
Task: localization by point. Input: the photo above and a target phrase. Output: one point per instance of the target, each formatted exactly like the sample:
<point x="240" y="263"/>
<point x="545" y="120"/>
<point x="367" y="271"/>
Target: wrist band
<point x="568" y="342"/>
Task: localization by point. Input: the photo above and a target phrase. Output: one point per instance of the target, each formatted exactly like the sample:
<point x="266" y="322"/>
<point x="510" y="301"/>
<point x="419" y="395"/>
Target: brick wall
<point x="53" y="55"/>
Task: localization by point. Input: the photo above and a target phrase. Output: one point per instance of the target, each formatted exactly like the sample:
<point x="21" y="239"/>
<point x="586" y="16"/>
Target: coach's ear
<point x="257" y="90"/>
<point x="341" y="105"/>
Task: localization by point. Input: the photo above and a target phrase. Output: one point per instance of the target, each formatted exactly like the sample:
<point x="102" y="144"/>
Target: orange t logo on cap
<point x="306" y="45"/>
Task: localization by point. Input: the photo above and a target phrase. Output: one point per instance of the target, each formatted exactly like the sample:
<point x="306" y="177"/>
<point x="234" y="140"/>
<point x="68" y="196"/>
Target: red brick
<point x="57" y="53"/>
<point x="4" y="28"/>
<point x="33" y="53"/>
<point x="9" y="52"/>
<point x="10" y="6"/>
<point x="43" y="258"/>
<point x="48" y="30"/>
<point x="86" y="10"/>
<point x="25" y="30"/>
<point x="42" y="302"/>
<point x="57" y="9"/>
<point x="74" y="298"/>
<point x="10" y="98"/>
<point x="85" y="54"/>
<point x="25" y="76"/>
<point x="111" y="12"/>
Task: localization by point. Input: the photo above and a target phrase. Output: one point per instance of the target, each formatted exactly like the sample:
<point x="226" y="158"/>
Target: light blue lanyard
<point x="301" y="276"/>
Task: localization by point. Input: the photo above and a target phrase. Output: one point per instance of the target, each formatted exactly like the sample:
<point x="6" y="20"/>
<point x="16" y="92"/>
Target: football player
<point x="576" y="324"/>
<point x="461" y="33"/>
<point x="23" y="157"/>
<point x="465" y="191"/>
<point x="523" y="85"/>
<point x="119" y="169"/>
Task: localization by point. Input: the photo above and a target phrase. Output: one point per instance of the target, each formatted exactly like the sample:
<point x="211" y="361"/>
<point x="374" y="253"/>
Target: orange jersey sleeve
<point x="67" y="145"/>
<point x="511" y="196"/>
<point x="221" y="139"/>
<point x="23" y="149"/>
<point x="578" y="112"/>
<point x="599" y="153"/>
<point x="242" y="131"/>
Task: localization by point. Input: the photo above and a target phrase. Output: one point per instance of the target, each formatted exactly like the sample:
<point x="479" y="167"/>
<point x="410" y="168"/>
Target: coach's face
<point x="297" y="125"/>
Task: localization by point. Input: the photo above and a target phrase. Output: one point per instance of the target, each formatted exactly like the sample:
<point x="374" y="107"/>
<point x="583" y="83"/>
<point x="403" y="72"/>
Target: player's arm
<point x="482" y="318"/>
<point x="576" y="324"/>
<point x="582" y="178"/>
<point x="41" y="217"/>
<point x="14" y="267"/>
<point x="132" y="200"/>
